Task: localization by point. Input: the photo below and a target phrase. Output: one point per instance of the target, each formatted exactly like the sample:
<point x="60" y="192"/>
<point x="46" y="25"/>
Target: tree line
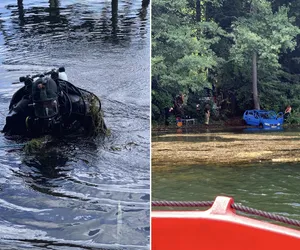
<point x="246" y="49"/>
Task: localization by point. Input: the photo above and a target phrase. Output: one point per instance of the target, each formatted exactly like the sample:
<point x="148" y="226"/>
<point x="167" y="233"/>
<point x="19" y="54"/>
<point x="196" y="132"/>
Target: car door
<point x="280" y="117"/>
<point x="250" y="120"/>
<point x="256" y="118"/>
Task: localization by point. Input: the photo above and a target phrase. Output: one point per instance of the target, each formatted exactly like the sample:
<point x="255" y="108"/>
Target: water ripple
<point x="81" y="194"/>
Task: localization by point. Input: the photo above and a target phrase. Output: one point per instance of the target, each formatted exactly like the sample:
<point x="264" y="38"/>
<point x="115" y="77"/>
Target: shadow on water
<point x="48" y="167"/>
<point x="45" y="167"/>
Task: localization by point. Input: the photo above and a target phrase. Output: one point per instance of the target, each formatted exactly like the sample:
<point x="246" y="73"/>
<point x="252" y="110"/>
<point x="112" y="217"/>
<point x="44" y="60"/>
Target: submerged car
<point x="263" y="118"/>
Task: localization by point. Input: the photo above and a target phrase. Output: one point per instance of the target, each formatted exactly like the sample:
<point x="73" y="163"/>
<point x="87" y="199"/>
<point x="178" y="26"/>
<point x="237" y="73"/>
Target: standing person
<point x="178" y="106"/>
<point x="287" y="112"/>
<point x="177" y="109"/>
<point x="206" y="115"/>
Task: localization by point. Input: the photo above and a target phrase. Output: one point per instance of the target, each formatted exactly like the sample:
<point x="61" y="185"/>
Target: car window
<point x="272" y="114"/>
<point x="263" y="115"/>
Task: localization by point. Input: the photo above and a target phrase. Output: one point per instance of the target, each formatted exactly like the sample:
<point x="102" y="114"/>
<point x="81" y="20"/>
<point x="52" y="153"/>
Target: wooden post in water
<point x="143" y="11"/>
<point x="54" y="4"/>
<point x="21" y="12"/>
<point x="54" y="10"/>
<point x="145" y="3"/>
<point x="114" y="15"/>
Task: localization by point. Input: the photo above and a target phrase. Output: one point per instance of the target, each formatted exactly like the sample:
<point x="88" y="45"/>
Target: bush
<point x="293" y="118"/>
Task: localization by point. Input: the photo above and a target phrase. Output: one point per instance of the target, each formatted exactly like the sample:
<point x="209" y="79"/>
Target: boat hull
<point x="218" y="228"/>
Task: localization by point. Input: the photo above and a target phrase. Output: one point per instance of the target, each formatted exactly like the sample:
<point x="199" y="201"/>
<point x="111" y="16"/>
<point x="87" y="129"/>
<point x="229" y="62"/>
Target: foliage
<point x="188" y="55"/>
<point x="33" y="145"/>
<point x="265" y="33"/>
<point x="95" y="124"/>
<point x="38" y="145"/>
<point x="181" y="51"/>
<point x="293" y="118"/>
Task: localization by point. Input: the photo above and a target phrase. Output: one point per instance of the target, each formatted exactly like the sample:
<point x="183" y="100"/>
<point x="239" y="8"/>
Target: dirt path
<point x="224" y="149"/>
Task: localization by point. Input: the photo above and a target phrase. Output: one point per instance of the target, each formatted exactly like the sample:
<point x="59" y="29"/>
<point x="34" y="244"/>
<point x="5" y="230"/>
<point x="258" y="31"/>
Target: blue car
<point x="263" y="118"/>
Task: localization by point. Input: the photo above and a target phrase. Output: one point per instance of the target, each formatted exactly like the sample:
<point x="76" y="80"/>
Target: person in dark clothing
<point x="178" y="106"/>
<point x="167" y="114"/>
<point x="177" y="110"/>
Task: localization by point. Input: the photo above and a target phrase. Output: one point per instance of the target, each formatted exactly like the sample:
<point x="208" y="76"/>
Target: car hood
<point x="271" y="121"/>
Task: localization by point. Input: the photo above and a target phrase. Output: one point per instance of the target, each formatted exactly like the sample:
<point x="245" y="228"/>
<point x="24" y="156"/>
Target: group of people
<point x="178" y="111"/>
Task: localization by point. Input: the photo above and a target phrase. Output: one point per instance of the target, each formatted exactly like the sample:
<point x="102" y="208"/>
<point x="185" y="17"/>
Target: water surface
<point x="272" y="187"/>
<point x="84" y="193"/>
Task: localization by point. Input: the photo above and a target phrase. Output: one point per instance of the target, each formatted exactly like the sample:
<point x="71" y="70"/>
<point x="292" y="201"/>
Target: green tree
<point x="181" y="50"/>
<point x="235" y="43"/>
<point x="259" y="38"/>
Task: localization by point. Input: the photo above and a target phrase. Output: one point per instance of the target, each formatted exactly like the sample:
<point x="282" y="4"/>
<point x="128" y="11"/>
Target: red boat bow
<point x="218" y="228"/>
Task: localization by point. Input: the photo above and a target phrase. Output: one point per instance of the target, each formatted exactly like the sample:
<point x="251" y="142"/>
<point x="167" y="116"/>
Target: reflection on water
<point x="79" y="193"/>
<point x="106" y="20"/>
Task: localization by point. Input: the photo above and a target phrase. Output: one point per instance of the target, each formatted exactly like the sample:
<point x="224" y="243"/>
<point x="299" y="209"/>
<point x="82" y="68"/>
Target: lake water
<point x="84" y="194"/>
<point x="271" y="187"/>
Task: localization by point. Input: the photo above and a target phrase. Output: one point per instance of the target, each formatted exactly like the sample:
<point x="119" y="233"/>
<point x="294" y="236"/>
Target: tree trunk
<point x="254" y="81"/>
<point x="198" y="11"/>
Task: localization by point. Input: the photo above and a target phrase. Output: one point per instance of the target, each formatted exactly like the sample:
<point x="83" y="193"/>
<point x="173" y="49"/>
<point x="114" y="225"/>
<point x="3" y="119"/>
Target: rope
<point x="234" y="206"/>
<point x="266" y="215"/>
<point x="182" y="203"/>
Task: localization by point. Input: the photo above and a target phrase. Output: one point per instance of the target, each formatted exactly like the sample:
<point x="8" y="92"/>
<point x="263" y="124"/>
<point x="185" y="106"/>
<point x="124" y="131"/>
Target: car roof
<point x="260" y="111"/>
